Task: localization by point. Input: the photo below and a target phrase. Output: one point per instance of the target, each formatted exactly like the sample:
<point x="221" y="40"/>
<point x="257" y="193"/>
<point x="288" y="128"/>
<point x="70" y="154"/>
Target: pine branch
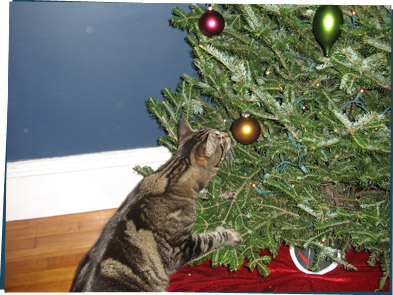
<point x="332" y="254"/>
<point x="333" y="176"/>
<point x="385" y="266"/>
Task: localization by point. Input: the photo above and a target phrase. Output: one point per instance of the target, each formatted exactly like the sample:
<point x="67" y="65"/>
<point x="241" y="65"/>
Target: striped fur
<point x="151" y="234"/>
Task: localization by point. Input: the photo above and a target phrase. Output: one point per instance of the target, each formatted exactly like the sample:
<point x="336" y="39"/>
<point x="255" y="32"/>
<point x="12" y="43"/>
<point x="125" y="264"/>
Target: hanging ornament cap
<point x="211" y="23"/>
<point x="326" y="26"/>
<point x="246" y="130"/>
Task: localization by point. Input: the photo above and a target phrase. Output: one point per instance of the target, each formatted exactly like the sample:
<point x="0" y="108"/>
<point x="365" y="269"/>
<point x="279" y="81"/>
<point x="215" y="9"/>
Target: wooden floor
<point x="41" y="255"/>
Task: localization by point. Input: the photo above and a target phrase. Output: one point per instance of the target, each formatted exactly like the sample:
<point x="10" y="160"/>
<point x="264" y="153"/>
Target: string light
<point x="354" y="18"/>
<point x="306" y="59"/>
<point x="283" y="165"/>
<point x="356" y="101"/>
<point x="227" y="121"/>
<point x="259" y="191"/>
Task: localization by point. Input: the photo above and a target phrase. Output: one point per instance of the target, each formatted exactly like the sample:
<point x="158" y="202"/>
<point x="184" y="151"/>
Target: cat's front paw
<point x="231" y="238"/>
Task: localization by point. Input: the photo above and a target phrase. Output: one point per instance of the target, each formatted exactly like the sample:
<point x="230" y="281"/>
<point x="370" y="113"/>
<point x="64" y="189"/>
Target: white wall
<point x="73" y="184"/>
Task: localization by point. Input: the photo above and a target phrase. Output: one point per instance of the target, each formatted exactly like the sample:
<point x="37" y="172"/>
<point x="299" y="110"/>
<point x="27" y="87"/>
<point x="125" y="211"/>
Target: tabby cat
<point x="151" y="234"/>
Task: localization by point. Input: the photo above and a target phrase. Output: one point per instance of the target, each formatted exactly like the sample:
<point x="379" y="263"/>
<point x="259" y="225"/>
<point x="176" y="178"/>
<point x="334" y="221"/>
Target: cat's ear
<point x="183" y="130"/>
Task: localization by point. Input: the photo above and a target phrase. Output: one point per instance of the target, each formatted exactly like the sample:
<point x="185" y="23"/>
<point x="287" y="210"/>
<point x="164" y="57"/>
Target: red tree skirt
<point x="284" y="277"/>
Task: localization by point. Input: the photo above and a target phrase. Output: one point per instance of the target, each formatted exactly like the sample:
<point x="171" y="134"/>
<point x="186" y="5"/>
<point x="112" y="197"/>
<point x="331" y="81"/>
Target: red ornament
<point x="211" y="23"/>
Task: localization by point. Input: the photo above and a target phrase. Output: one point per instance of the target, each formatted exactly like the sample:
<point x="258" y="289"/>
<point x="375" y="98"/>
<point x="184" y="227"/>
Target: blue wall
<point x="80" y="73"/>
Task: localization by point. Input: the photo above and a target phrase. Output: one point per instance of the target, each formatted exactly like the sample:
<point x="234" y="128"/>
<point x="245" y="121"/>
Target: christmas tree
<point x="318" y="173"/>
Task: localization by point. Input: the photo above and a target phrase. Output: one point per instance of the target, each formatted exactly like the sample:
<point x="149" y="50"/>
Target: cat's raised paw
<point x="231" y="237"/>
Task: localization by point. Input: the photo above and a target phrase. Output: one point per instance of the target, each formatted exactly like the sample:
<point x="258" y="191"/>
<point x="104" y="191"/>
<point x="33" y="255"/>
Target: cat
<point x="151" y="234"/>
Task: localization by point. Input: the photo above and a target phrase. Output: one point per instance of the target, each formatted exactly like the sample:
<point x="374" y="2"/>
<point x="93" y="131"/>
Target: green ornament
<point x="326" y="26"/>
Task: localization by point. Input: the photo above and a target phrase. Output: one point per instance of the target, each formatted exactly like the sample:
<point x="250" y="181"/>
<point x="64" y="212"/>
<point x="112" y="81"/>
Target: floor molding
<point x="74" y="184"/>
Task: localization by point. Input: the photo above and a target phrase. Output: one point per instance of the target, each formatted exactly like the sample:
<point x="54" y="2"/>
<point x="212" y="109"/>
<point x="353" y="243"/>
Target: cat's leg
<point x="205" y="242"/>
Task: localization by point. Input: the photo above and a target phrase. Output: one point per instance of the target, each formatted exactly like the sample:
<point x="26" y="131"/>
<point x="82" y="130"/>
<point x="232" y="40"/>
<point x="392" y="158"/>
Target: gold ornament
<point x="246" y="130"/>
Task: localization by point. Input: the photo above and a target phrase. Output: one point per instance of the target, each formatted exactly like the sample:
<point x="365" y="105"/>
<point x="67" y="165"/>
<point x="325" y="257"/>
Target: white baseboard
<point x="74" y="184"/>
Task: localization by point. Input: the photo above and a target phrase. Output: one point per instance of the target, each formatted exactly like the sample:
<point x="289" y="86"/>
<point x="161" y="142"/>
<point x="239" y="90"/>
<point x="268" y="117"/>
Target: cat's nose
<point x="224" y="135"/>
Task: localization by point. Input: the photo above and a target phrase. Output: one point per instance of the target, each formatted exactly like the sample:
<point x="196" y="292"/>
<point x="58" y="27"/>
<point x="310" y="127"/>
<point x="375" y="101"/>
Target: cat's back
<point x="126" y="256"/>
<point x="123" y="258"/>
